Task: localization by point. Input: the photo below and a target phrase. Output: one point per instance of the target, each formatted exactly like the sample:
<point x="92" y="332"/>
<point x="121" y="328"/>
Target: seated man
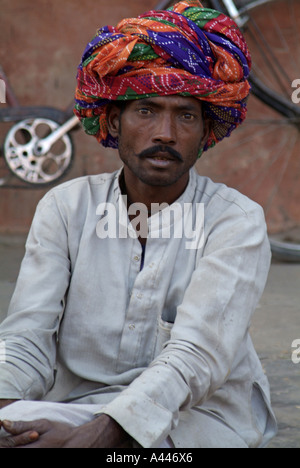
<point x="129" y="323"/>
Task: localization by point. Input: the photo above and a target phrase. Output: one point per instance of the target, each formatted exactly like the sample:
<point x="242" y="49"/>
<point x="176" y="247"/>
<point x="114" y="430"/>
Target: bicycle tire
<point x="16" y="114"/>
<point x="274" y="100"/>
<point x="285" y="251"/>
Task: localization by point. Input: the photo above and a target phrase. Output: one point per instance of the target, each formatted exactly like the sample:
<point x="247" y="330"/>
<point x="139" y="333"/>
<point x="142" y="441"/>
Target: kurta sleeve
<point x="29" y="333"/>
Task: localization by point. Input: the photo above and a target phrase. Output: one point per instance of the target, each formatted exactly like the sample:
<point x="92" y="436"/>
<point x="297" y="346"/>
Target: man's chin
<point x="159" y="179"/>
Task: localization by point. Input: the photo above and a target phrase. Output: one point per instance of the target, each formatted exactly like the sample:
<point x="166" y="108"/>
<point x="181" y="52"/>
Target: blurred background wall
<point x="41" y="43"/>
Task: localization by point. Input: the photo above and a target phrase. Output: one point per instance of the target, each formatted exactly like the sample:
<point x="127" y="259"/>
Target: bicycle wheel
<point x="23" y="159"/>
<point x="261" y="158"/>
<point x="287" y="249"/>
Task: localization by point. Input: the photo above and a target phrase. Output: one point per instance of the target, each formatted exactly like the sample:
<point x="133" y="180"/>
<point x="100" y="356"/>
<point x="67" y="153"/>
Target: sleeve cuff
<point x="143" y="419"/>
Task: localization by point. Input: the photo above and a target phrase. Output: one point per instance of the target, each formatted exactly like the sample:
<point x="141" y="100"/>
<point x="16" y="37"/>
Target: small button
<point x="131" y="326"/>
<point x="136" y="258"/>
<point x="139" y="296"/>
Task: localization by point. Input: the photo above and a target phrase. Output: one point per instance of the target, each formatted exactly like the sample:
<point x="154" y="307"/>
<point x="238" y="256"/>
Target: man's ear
<point x="113" y="120"/>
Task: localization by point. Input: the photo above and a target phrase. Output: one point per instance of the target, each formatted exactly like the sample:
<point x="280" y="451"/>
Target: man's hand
<point x="102" y="432"/>
<point x="19" y="436"/>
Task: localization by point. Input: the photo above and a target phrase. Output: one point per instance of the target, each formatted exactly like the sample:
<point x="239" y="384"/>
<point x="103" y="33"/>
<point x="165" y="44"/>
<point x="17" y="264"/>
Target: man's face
<point x="159" y="138"/>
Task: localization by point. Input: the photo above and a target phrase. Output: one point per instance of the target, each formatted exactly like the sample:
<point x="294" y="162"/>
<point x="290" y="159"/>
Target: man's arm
<point x="30" y="330"/>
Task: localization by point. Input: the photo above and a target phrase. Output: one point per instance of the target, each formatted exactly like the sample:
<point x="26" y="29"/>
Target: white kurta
<point x="164" y="347"/>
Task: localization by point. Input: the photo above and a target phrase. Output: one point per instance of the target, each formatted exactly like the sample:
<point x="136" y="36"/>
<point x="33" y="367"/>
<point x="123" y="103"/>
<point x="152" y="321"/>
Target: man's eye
<point x="188" y="116"/>
<point x="144" y="111"/>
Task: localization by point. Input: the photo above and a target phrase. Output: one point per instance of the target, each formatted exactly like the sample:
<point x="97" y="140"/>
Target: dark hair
<point x="120" y="104"/>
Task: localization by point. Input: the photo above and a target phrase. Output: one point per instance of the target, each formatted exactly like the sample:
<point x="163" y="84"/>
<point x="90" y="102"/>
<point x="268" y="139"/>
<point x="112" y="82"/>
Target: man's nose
<point x="165" y="131"/>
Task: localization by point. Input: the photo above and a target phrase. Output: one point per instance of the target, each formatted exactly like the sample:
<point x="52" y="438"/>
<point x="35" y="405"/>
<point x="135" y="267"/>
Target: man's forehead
<point x="173" y="101"/>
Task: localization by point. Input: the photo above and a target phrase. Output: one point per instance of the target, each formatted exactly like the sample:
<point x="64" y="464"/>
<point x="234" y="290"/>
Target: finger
<point x="18" y="427"/>
<point x="14" y="428"/>
<point x="19" y="440"/>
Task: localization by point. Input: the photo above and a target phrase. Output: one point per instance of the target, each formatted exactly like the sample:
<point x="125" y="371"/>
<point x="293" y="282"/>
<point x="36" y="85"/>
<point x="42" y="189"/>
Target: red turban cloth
<point x="187" y="50"/>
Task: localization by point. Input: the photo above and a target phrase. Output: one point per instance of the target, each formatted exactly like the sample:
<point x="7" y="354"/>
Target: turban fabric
<point x="187" y="50"/>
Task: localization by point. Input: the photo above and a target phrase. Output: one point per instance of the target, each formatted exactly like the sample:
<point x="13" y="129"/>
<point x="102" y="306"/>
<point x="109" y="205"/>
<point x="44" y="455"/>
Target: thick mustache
<point x="155" y="150"/>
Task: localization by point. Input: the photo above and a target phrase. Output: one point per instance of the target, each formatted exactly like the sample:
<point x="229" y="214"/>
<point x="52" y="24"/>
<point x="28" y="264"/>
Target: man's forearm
<point x="4" y="403"/>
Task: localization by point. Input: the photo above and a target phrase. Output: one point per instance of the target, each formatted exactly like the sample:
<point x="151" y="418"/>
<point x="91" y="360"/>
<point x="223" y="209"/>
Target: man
<point x="140" y="330"/>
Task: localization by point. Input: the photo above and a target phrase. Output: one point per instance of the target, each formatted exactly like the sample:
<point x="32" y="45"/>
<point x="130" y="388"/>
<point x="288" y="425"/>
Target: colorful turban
<point x="187" y="50"/>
